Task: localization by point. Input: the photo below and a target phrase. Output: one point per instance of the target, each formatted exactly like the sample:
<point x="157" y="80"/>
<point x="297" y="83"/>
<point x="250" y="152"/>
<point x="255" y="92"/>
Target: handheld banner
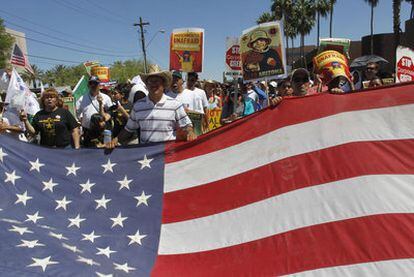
<point x="404" y="65"/>
<point x="262" y="52"/>
<point x="102" y="72"/>
<point x="186" y="49"/>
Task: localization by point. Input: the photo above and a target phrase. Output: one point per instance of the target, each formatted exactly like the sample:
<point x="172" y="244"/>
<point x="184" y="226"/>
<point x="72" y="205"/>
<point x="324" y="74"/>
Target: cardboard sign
<point x="404" y="65"/>
<point x="340" y="45"/>
<point x="262" y="52"/>
<point x="214" y="117"/>
<point x="69" y="104"/>
<point x="232" y="57"/>
<point x="89" y="65"/>
<point x="186" y="50"/>
<point x="102" y="72"/>
<point x="331" y="64"/>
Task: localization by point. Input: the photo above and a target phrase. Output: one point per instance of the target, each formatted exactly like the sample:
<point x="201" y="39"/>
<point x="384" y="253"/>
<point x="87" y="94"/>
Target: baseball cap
<point x="94" y="79"/>
<point x="177" y="74"/>
<point x="300" y="72"/>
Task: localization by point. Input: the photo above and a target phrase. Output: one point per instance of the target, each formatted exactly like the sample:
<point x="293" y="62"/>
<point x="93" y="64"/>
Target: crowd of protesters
<point x="157" y="108"/>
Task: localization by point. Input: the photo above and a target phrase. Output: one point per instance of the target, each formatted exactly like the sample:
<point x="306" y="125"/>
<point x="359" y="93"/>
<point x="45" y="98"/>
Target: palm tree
<point x="331" y="9"/>
<point x="304" y="13"/>
<point x="396" y="10"/>
<point x="322" y="7"/>
<point x="282" y="10"/>
<point x="265" y="17"/>
<point x="373" y="4"/>
<point x="32" y="77"/>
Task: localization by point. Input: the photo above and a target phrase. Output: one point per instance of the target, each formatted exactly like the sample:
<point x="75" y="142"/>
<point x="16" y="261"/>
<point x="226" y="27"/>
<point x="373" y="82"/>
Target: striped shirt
<point x="157" y="122"/>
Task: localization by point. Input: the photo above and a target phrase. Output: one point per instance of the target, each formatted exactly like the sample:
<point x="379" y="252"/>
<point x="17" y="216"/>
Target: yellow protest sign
<point x="214" y="119"/>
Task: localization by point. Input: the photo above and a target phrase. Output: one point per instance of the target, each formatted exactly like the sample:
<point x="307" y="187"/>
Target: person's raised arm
<point x="29" y="127"/>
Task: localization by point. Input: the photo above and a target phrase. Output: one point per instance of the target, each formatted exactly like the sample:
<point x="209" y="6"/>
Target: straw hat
<point x="154" y="70"/>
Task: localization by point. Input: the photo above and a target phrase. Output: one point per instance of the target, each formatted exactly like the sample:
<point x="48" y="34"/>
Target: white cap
<point x="137" y="88"/>
<point x="273" y="84"/>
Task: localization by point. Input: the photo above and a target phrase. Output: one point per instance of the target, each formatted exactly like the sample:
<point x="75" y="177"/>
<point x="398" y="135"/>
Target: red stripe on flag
<point x="305" y="110"/>
<point x="358" y="240"/>
<point x="310" y="169"/>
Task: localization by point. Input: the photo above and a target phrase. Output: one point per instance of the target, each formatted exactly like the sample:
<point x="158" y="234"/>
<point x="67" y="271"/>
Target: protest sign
<point x="262" y="52"/>
<point x="232" y="57"/>
<point x="196" y="119"/>
<point x="331" y="64"/>
<point x="102" y="72"/>
<point x="69" y="104"/>
<point x="340" y="45"/>
<point x="81" y="88"/>
<point x="404" y="65"/>
<point x="89" y="65"/>
<point x="214" y="117"/>
<point x="186" y="49"/>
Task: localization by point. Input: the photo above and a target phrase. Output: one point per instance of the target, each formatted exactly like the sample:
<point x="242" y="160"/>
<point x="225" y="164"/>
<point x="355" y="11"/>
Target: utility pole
<point x="141" y="25"/>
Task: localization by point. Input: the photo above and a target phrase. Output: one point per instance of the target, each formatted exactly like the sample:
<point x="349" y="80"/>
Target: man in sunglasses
<point x="371" y="71"/>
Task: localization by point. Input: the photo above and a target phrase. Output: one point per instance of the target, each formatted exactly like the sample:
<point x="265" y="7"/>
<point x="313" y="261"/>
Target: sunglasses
<point x="371" y="68"/>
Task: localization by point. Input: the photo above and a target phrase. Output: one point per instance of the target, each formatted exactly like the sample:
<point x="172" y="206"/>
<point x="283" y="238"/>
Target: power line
<point x="94" y="4"/>
<point x="70" y="48"/>
<point x="42" y="26"/>
<point x="57" y="38"/>
<point x="52" y="59"/>
<point x="89" y="14"/>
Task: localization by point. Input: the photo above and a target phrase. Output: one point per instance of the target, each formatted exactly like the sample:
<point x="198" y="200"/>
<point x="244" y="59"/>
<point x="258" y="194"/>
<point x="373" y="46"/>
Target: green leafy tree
<point x="6" y="43"/>
<point x="322" y="8"/>
<point x="373" y="4"/>
<point x="122" y="71"/>
<point x="282" y="10"/>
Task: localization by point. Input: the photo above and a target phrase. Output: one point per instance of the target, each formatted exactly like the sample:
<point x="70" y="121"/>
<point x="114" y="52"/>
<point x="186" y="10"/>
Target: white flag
<point x="19" y="95"/>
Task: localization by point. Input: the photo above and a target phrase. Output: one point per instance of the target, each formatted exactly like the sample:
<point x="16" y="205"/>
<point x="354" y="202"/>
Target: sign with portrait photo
<point x="262" y="52"/>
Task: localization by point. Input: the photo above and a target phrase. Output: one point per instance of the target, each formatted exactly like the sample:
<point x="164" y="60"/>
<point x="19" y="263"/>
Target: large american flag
<point x="318" y="186"/>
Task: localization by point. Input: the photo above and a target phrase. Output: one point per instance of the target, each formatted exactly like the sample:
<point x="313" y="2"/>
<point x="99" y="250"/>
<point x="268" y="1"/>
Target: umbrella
<point x="364" y="60"/>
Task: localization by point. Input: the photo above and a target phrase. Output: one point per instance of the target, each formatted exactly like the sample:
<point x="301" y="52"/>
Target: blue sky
<point x="107" y="25"/>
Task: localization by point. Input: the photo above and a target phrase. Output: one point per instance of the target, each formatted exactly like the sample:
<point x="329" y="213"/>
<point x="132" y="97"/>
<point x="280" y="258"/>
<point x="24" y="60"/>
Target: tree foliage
<point x="6" y="43"/>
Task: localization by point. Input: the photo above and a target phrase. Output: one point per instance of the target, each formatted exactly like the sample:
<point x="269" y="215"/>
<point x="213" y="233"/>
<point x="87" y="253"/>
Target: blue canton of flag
<point x="79" y="212"/>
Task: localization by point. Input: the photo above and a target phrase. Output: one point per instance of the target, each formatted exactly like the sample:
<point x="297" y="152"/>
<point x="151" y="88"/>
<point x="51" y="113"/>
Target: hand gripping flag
<point x="318" y="186"/>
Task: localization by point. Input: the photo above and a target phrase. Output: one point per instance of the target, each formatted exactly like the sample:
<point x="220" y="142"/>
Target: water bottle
<point x="107" y="136"/>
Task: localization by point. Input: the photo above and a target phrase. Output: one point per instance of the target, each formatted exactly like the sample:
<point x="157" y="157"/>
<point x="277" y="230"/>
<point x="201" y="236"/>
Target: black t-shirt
<point x="118" y="118"/>
<point x="55" y="127"/>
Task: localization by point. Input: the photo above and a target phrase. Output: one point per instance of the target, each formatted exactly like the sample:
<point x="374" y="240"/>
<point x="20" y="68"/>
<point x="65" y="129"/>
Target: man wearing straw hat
<point x="157" y="116"/>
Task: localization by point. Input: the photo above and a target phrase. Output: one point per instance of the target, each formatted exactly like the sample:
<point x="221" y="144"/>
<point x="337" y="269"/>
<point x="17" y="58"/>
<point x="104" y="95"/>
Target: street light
<point x="162" y="31"/>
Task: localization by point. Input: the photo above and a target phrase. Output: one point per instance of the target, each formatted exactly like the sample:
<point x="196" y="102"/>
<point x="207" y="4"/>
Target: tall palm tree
<point x="32" y="77"/>
<point x="282" y="10"/>
<point x="373" y="4"/>
<point x="304" y="13"/>
<point x="331" y="9"/>
<point x="396" y="10"/>
<point x="265" y="17"/>
<point x="322" y="7"/>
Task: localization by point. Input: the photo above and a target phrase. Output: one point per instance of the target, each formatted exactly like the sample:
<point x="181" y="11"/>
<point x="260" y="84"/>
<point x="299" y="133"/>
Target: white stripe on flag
<point x="340" y="200"/>
<point x="392" y="268"/>
<point x="364" y="125"/>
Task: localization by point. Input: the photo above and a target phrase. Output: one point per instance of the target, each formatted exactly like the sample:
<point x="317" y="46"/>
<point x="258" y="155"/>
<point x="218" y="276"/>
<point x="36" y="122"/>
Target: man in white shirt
<point x="193" y="98"/>
<point x="88" y="104"/>
<point x="157" y="116"/>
